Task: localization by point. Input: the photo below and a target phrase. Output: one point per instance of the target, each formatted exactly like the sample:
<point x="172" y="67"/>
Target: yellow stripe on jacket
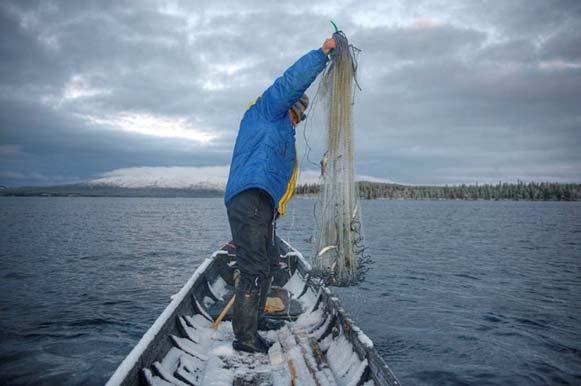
<point x="290" y="188"/>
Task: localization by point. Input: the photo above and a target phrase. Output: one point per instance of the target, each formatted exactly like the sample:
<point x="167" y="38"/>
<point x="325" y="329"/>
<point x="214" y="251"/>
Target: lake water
<point x="461" y="293"/>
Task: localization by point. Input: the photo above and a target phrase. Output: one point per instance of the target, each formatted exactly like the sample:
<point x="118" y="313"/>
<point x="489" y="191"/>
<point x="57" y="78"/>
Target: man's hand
<point x="328" y="45"/>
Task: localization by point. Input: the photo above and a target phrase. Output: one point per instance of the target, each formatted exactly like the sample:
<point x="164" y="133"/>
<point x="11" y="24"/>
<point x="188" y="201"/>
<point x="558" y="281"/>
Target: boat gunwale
<point x="351" y="332"/>
<point x="381" y="373"/>
<point x="127" y="366"/>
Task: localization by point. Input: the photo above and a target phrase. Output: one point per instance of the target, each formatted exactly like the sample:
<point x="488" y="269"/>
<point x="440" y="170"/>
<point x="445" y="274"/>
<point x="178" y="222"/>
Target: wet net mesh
<point x="340" y="257"/>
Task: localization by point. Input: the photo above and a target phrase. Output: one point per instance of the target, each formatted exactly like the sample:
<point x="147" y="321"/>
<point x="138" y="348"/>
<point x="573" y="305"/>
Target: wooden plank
<point x="216" y="322"/>
<point x="293" y="372"/>
<point x="304" y="352"/>
<point x="318" y="354"/>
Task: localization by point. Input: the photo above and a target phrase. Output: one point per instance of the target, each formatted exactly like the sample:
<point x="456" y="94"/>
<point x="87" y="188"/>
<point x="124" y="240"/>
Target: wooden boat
<point x="319" y="345"/>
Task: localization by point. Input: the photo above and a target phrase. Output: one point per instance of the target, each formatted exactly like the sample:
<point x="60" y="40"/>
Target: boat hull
<point x="211" y="287"/>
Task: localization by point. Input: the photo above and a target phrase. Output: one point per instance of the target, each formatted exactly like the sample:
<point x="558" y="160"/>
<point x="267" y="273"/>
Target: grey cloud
<point x="24" y="60"/>
<point x="565" y="45"/>
<point x="53" y="144"/>
<point x="480" y="89"/>
<point x="520" y="19"/>
<point x="417" y="43"/>
<point x="511" y="51"/>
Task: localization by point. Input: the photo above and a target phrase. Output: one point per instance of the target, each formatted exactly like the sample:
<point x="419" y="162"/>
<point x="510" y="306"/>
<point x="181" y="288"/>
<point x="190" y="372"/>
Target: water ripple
<point x="461" y="293"/>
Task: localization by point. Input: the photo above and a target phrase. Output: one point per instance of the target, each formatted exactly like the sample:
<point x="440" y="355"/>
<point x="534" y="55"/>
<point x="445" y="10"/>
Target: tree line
<point x="533" y="191"/>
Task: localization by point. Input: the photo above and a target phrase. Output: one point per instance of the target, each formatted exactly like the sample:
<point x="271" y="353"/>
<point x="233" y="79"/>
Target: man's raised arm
<point x="287" y="89"/>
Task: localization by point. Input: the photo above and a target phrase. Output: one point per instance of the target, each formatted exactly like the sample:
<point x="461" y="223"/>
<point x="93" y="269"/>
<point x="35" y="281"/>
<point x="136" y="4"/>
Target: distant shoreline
<point x="521" y="191"/>
<point x="297" y="196"/>
<point x="532" y="191"/>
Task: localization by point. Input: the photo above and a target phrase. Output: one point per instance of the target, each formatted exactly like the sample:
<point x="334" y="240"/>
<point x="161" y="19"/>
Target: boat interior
<point x="318" y="345"/>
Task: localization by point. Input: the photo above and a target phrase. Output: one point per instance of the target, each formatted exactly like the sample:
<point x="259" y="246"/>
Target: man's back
<point x="264" y="155"/>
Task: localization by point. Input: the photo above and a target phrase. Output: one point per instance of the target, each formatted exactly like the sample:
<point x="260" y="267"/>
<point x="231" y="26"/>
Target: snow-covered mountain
<point x="182" y="177"/>
<point x="176" y="177"/>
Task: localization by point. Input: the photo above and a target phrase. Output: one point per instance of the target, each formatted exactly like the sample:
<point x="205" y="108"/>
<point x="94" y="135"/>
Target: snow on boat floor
<point x="305" y="352"/>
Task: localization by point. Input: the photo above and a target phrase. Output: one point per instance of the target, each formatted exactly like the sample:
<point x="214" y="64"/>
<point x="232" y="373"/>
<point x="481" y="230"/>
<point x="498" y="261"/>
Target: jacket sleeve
<point x="291" y="86"/>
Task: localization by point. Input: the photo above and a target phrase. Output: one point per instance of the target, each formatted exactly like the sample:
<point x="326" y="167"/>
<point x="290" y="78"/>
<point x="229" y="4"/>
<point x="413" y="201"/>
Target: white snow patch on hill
<point x="314" y="177"/>
<point x="177" y="177"/>
<point x="190" y="177"/>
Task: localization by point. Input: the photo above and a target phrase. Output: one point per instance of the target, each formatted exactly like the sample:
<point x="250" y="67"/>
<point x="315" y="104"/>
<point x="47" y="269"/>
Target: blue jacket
<point x="264" y="155"/>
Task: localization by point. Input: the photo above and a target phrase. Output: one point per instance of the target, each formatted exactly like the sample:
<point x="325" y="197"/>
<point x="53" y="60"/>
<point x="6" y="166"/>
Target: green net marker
<point x="332" y="52"/>
<point x="334" y="26"/>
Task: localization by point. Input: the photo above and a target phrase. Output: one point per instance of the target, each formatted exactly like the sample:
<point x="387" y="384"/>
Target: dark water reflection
<point x="460" y="293"/>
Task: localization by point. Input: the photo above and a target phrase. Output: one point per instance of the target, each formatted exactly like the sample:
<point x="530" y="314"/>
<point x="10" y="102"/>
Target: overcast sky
<point x="453" y="92"/>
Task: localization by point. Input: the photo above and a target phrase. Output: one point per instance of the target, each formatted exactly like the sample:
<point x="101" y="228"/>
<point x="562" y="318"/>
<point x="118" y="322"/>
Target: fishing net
<point x="340" y="257"/>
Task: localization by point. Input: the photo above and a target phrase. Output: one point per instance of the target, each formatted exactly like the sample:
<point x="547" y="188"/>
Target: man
<point x="262" y="179"/>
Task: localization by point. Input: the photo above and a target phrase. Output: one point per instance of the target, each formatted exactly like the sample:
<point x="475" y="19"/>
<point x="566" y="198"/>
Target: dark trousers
<point x="251" y="217"/>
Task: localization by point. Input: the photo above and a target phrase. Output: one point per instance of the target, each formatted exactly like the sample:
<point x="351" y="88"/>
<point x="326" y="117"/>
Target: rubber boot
<point x="244" y="320"/>
<point x="261" y="304"/>
<point x="265" y="323"/>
